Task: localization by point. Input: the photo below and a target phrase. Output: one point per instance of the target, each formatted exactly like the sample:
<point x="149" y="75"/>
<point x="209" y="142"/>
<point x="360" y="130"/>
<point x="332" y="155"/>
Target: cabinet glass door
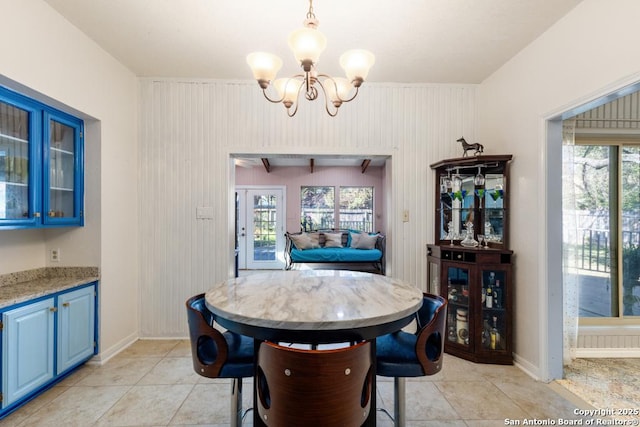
<point x="434" y="278"/>
<point x="61" y="202"/>
<point x="494" y="310"/>
<point x="458" y="312"/>
<point x="15" y="162"/>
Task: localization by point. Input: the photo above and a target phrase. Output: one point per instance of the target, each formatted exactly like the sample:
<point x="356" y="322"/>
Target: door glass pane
<point x="630" y="207"/>
<point x="61" y="170"/>
<point x="458" y="313"/>
<point x="493" y="310"/>
<point x="264" y="228"/>
<point x="593" y="261"/>
<point x="494" y="207"/>
<point x="14" y="162"/>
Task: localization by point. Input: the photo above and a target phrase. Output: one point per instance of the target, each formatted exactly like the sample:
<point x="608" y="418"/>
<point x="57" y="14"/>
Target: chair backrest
<point x="432" y="323"/>
<point x="209" y="349"/>
<point x="314" y="387"/>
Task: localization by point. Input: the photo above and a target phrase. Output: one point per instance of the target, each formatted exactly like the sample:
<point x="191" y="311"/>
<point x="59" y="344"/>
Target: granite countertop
<point x="26" y="285"/>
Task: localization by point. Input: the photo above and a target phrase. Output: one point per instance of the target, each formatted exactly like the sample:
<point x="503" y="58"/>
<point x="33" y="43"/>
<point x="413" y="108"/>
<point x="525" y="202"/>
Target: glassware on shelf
<point x="479" y="178"/>
<point x="469" y="241"/>
<point x="450" y="231"/>
<point x="497" y="193"/>
<point x="459" y="195"/>
<point x="480" y="193"/>
<point x="481" y="239"/>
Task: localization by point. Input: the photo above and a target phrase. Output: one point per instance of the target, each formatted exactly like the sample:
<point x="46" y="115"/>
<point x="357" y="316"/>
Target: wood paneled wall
<point x="189" y="129"/>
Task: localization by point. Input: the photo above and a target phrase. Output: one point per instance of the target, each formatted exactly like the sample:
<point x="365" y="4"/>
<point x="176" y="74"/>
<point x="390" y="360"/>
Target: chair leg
<point x="399" y="413"/>
<point x="236" y="402"/>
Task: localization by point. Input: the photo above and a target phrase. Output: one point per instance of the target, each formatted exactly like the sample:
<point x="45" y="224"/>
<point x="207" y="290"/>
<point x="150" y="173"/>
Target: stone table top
<point x="314" y="300"/>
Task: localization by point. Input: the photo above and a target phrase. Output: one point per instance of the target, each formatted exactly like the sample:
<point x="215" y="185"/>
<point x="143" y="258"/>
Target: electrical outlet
<point x="55" y="255"/>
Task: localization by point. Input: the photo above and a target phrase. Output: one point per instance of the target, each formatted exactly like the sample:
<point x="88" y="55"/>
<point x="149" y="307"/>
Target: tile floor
<point x="152" y="383"/>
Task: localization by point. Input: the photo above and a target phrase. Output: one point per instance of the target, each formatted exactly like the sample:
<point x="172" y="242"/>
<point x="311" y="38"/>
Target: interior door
<point x="261" y="228"/>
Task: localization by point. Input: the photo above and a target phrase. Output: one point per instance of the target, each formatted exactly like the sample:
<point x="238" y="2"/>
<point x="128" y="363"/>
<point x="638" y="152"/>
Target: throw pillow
<point x="365" y="241"/>
<point x="305" y="240"/>
<point x="354" y="238"/>
<point x="333" y="240"/>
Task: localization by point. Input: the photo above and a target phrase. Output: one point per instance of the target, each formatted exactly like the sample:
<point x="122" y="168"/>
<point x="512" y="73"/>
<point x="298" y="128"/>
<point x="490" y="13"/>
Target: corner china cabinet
<point x="470" y="264"/>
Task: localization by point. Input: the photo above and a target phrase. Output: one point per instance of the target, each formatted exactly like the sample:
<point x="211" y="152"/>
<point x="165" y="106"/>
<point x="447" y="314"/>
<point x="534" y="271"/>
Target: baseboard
<point x="595" y="353"/>
<point x="526" y="367"/>
<point x="105" y="355"/>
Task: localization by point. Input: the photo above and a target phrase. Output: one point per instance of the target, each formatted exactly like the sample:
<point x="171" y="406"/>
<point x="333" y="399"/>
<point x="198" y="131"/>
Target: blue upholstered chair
<point x="219" y="355"/>
<point x="403" y="354"/>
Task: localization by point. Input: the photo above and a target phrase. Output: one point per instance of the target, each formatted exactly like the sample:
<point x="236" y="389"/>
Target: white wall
<point x="294" y="177"/>
<point x="189" y="129"/>
<point x="45" y="57"/>
<point x="588" y="53"/>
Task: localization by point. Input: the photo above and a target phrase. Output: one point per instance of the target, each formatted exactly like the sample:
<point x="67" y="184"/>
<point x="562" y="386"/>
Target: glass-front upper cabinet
<point x="471" y="201"/>
<point x="63" y="166"/>
<point x="41" y="164"/>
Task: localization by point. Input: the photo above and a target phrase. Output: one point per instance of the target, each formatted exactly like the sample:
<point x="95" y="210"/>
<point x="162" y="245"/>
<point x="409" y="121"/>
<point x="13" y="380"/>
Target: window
<point x="356" y="208"/>
<point x="318" y="208"/>
<point x="606" y="243"/>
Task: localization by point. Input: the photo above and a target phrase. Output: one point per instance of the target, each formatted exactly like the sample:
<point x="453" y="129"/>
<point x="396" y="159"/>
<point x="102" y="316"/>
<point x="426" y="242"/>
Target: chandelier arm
<point x="328" y="77"/>
<point x="326" y="101"/>
<point x="277" y="101"/>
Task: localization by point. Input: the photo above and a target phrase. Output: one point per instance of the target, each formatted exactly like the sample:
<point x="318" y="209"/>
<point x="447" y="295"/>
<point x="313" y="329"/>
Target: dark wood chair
<point x="322" y="388"/>
<point x="219" y="355"/>
<point x="403" y="354"/>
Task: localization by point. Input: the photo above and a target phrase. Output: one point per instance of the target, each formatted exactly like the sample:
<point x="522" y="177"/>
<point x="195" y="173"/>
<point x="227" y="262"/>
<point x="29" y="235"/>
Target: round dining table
<point x="314" y="307"/>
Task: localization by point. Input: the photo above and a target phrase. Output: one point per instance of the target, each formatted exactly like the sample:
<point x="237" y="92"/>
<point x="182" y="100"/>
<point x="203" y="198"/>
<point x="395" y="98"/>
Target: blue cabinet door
<point x="63" y="169"/>
<point x="27" y="343"/>
<point x="19" y="161"/>
<point x="76" y="326"/>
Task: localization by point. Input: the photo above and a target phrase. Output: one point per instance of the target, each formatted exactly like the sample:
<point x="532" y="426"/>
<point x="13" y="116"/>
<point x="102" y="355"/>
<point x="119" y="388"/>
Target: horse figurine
<point x="479" y="148"/>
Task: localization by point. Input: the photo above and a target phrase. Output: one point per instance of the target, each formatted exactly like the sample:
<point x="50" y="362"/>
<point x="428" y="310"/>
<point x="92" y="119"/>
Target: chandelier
<point x="307" y="44"/>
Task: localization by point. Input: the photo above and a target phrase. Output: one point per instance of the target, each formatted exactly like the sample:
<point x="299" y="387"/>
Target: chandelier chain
<point x="310" y="14"/>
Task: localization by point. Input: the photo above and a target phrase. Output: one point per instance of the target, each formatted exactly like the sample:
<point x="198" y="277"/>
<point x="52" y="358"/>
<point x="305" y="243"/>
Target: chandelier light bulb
<point x="337" y="90"/>
<point x="264" y="65"/>
<point x="287" y="90"/>
<point x="307" y="44"/>
<point x="356" y="64"/>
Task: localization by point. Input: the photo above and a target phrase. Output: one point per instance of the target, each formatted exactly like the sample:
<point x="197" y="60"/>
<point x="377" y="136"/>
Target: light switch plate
<point x="203" y="212"/>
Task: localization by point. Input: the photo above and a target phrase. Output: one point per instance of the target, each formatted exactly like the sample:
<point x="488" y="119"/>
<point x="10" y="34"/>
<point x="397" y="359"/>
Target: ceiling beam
<point x="266" y="164"/>
<point x="365" y="164"/>
<point x="311" y="164"/>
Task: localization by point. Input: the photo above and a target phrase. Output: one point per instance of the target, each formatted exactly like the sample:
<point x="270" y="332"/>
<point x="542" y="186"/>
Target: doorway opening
<point x="260" y="218"/>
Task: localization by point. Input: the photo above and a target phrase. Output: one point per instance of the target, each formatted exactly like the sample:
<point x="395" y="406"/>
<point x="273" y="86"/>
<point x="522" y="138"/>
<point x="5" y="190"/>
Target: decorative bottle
<point x="494" y="334"/>
<point x="489" y="298"/>
<point x="497" y="295"/>
<point x="486" y="331"/>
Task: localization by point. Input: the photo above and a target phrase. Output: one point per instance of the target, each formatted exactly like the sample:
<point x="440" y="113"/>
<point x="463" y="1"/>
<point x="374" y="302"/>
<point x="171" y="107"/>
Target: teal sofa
<point x="335" y="247"/>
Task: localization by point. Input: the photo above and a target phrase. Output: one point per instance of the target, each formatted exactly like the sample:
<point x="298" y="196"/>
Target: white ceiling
<point x="415" y="41"/>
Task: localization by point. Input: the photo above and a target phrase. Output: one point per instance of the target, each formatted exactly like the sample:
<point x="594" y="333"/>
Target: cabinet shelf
<point x="9" y="138"/>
